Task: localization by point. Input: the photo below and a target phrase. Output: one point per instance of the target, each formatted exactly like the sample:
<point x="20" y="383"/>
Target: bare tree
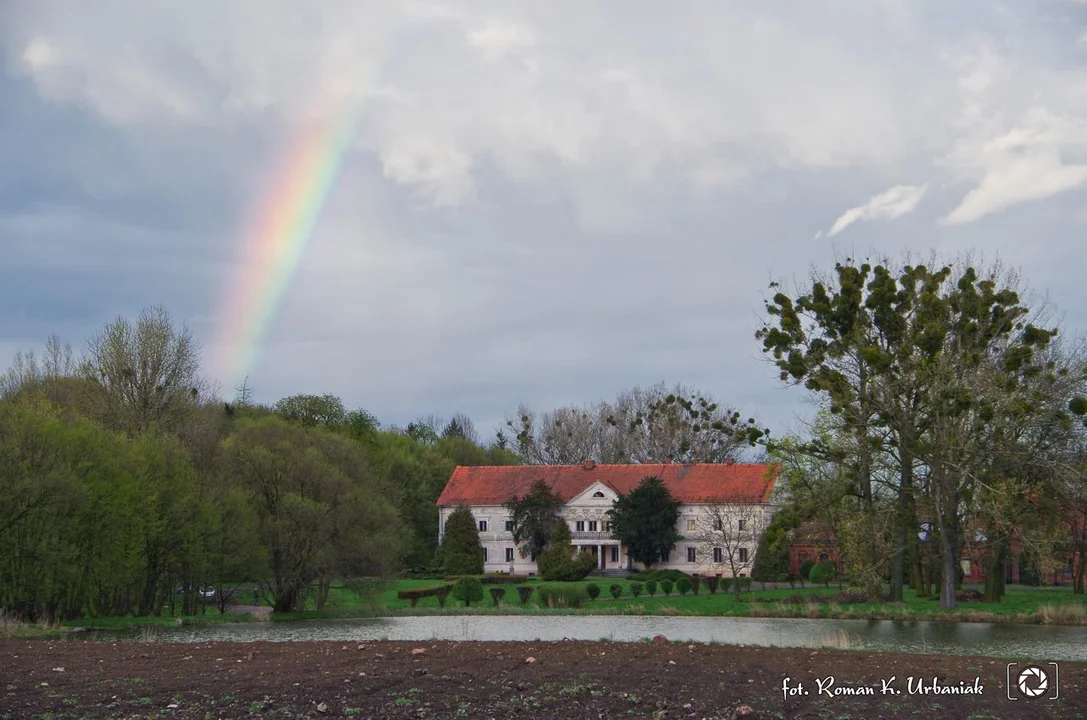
<point x="145" y="375"/>
<point x="643" y="425"/>
<point x="727" y="536"/>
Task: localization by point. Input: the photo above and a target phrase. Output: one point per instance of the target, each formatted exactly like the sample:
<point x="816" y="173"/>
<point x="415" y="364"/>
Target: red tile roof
<point x="496" y="485"/>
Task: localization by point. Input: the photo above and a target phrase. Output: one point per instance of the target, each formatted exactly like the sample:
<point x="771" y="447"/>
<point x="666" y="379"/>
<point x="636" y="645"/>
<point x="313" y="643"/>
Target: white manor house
<point x="723" y="509"/>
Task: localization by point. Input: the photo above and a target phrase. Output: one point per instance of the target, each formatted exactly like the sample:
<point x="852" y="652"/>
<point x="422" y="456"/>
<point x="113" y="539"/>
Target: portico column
<point x="600" y="557"/>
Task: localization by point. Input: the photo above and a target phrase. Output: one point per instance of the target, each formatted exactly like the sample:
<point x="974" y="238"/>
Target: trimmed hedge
<point x="524" y="593"/>
<point x="683" y="585"/>
<point x="659" y="575"/>
<point x="712" y="582"/>
<point x="616" y="591"/>
<point x="650" y="587"/>
<point x="696" y="583"/>
<point x="666" y="586"/>
<point x="636" y="589"/>
<point x="415" y="595"/>
<point x="594" y="591"/>
<point x="497" y="593"/>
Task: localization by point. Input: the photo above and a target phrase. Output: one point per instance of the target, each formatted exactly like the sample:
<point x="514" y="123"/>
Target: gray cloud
<point x="541" y="202"/>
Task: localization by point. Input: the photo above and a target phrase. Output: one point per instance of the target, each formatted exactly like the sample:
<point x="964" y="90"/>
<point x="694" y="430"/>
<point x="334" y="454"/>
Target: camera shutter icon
<point x="1033" y="682"/>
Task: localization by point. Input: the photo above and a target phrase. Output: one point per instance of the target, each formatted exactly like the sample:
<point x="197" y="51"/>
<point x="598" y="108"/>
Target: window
<point x="802" y="558"/>
<point x="609" y="525"/>
<point x="484" y="553"/>
<point x="823" y="557"/>
<point x="483" y="526"/>
<point x="592" y="526"/>
<point x="598" y="494"/>
<point x="717" y="524"/>
<point x="509" y="526"/>
<point x="692" y="524"/>
<point x="614" y="554"/>
<point x="509" y="554"/>
<point x="690" y="554"/>
<point x="579" y="526"/>
<point x="742" y="553"/>
<point x="718" y="555"/>
<point x="740" y="524"/>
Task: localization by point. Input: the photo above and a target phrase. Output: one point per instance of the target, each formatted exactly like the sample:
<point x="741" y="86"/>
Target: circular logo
<point x="1033" y="682"/>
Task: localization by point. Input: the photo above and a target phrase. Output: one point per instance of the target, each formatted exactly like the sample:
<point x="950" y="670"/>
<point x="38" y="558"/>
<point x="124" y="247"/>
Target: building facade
<point x="723" y="508"/>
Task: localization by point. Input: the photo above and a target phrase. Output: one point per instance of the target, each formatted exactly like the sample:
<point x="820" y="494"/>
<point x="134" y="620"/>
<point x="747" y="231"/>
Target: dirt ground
<point x="96" y="679"/>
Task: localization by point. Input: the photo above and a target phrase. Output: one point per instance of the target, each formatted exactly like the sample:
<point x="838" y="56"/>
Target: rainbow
<point x="278" y="233"/>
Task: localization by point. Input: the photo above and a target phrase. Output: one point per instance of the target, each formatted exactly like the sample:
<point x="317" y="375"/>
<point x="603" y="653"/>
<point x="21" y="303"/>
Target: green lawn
<point x="1020" y="604"/>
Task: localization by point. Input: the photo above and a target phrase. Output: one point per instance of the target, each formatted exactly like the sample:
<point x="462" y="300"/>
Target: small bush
<point x="415" y="595"/>
<point x="823" y="572"/>
<point x="659" y="575"/>
<point x="468" y="589"/>
<point x="741" y="584"/>
<point x="696" y="583"/>
<point x="636" y="589"/>
<point x="594" y="591"/>
<point x="805" y="569"/>
<point x="666" y="586"/>
<point x="668" y="611"/>
<point x="562" y="596"/>
<point x="683" y="585"/>
<point x="724" y="584"/>
<point x="711" y="583"/>
<point x="497" y="593"/>
<point x="524" y="592"/>
<point x="650" y="587"/>
<point x="443" y="594"/>
<point x="616" y="590"/>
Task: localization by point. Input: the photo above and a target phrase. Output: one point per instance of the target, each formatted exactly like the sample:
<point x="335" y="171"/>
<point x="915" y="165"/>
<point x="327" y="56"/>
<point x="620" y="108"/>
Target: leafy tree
<point x="461" y="553"/>
<point x="145" y="375"/>
<point x="312" y="410"/>
<point x="468" y="590"/>
<point x="645" y="521"/>
<point x="534" y="516"/>
<point x="732" y="531"/>
<point x="557" y="562"/>
<point x="321" y="513"/>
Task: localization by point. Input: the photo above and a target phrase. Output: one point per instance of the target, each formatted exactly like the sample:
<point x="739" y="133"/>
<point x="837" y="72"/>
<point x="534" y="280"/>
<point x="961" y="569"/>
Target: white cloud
<point x="887" y="205"/>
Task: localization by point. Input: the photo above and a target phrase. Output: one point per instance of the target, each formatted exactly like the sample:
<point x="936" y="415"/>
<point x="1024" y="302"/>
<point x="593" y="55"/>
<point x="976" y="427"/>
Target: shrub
<point x="666" y="586"/>
<point x="636" y="589"/>
<point x="805" y="568"/>
<point x="492" y="579"/>
<point x="616" y="590"/>
<point x="497" y="593"/>
<point x="741" y="584"/>
<point x="723" y="584"/>
<point x="557" y="565"/>
<point x="594" y="590"/>
<point x="524" y="592"/>
<point x="696" y="583"/>
<point x="438" y="591"/>
<point x="658" y="575"/>
<point x="683" y="585"/>
<point x="650" y="587"/>
<point x="468" y="589"/>
<point x="823" y="572"/>
<point x="711" y="583"/>
<point x="562" y="596"/>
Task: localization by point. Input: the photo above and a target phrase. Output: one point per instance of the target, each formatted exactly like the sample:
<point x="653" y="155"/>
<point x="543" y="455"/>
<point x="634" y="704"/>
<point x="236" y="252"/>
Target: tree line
<point x="950" y="421"/>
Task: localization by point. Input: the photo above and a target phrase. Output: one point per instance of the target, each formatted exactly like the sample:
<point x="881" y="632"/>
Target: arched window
<point x="823" y="557"/>
<point x="802" y="558"/>
<point x="598" y="494"/>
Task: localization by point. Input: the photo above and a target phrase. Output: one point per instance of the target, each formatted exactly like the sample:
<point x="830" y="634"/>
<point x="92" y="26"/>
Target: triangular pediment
<point x="597" y="493"/>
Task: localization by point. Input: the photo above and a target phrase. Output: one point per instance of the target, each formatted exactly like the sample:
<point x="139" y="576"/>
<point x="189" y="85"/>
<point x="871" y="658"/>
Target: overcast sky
<point x="542" y="202"/>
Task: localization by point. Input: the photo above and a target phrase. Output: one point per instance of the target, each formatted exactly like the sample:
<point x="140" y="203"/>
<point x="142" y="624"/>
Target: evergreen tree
<point x="461" y="553"/>
<point x="534" y="517"/>
<point x="645" y="521"/>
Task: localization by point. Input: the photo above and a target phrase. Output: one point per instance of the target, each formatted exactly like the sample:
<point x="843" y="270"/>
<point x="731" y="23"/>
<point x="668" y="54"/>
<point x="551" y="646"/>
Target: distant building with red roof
<point x="590" y="489"/>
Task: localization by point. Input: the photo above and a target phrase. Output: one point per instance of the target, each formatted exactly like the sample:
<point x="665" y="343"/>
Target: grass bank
<point x="1026" y="605"/>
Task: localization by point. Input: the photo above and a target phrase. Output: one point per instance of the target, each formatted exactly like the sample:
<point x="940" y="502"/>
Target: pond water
<point x="1050" y="642"/>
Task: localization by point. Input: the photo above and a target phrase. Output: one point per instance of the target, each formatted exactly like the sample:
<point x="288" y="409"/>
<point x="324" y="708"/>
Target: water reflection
<point x="1036" y="641"/>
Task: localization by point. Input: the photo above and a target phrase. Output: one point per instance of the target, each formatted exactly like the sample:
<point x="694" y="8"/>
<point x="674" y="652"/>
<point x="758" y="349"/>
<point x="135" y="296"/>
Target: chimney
<point x="589" y="464"/>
